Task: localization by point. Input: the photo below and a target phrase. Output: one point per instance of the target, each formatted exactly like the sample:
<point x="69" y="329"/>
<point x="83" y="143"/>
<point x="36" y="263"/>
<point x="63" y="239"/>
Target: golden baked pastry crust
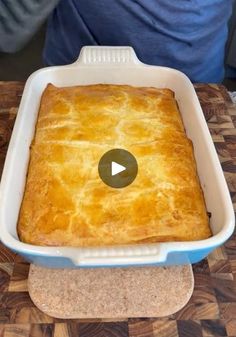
<point x="66" y="203"/>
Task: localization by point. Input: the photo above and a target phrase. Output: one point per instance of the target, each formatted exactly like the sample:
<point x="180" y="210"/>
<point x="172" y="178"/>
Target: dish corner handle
<point x="100" y="55"/>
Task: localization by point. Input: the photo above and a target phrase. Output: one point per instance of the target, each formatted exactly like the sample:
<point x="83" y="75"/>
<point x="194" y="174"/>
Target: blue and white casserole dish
<point x="114" y="65"/>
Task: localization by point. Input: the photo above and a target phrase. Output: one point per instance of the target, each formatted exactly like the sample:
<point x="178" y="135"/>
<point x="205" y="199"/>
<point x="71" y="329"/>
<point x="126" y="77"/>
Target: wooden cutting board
<point x="211" y="311"/>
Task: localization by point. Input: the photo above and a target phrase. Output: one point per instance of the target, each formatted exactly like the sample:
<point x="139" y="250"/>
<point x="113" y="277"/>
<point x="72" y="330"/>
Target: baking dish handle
<point x="151" y="255"/>
<point x="104" y="55"/>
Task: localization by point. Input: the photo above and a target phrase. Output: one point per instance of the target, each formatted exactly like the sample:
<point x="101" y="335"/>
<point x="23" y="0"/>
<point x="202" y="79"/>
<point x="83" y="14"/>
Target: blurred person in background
<point x="189" y="35"/>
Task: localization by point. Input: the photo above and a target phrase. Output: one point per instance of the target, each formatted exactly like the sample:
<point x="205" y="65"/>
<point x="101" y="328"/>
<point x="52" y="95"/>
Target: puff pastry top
<point x="66" y="203"/>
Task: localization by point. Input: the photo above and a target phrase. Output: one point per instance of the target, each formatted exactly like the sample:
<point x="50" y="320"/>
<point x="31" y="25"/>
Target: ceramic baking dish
<point x="118" y="65"/>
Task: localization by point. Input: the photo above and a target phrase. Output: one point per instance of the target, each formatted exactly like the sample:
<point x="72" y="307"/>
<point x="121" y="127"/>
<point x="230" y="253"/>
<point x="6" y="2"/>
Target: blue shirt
<point x="188" y="35"/>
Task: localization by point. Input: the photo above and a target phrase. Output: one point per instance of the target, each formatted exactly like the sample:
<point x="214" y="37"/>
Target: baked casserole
<point x="66" y="203"/>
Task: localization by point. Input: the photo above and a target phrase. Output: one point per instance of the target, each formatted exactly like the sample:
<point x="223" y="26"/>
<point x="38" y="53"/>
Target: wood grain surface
<point x="212" y="309"/>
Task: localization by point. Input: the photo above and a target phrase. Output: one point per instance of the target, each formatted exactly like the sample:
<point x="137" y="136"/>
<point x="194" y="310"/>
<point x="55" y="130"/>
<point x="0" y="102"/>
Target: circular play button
<point x="118" y="168"/>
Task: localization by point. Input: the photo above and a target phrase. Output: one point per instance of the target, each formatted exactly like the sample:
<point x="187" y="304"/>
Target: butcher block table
<point x="211" y="310"/>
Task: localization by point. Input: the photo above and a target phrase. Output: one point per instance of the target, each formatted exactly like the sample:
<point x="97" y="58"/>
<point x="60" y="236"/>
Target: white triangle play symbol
<point x="116" y="168"/>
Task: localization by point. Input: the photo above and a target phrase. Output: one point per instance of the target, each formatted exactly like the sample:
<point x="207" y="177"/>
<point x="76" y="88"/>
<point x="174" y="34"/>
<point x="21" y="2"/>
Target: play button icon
<point x="117" y="168"/>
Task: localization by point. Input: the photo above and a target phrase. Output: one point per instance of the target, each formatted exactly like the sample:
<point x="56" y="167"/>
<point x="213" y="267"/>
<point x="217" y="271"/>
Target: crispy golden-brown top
<point x="66" y="202"/>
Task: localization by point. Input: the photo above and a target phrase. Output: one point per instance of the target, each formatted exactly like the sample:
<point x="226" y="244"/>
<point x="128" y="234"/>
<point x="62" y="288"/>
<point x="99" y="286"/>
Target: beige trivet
<point x="110" y="292"/>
